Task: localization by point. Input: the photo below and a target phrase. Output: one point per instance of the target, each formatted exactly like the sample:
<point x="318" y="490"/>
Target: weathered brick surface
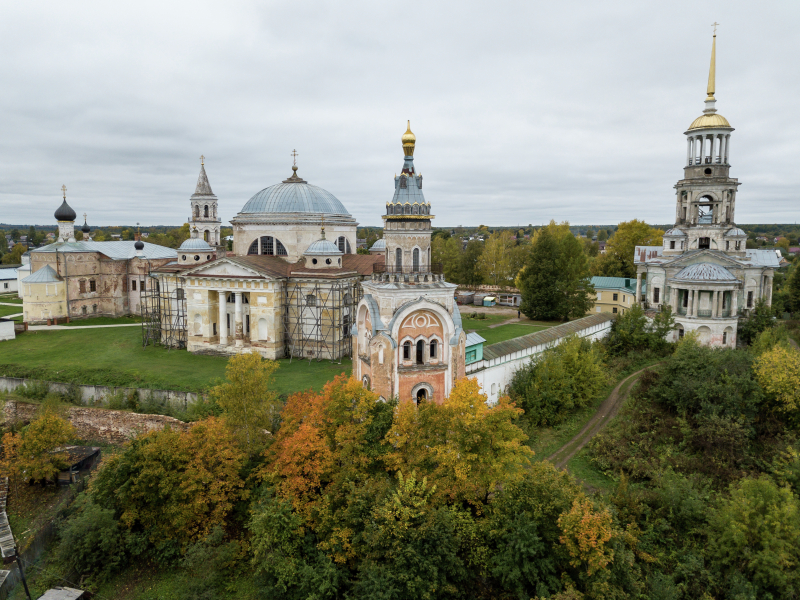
<point x="101" y="424"/>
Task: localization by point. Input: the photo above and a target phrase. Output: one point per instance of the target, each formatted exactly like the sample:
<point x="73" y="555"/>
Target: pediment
<point x="703" y="256"/>
<point x="224" y="268"/>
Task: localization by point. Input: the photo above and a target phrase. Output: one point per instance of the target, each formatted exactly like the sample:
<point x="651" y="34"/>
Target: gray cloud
<point x="523" y="111"/>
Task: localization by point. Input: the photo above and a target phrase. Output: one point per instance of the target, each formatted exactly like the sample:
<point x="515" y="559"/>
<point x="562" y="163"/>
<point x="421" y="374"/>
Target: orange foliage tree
<point x="31" y="454"/>
<point x="586" y="533"/>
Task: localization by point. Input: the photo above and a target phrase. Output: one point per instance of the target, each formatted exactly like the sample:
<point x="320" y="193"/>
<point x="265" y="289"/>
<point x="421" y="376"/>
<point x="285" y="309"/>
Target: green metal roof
<point x="615" y="283"/>
<point x="545" y="336"/>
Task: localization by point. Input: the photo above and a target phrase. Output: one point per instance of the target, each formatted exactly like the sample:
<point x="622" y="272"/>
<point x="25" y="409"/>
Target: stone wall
<point x="92" y="394"/>
<point x="96" y="424"/>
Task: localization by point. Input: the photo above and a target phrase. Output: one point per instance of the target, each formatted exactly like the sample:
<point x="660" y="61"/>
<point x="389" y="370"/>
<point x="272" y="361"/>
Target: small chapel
<point x="703" y="270"/>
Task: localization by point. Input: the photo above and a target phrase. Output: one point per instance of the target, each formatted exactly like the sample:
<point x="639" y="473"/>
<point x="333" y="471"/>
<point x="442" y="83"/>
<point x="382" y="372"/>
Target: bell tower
<point x="706" y="196"/>
<point x="407" y="222"/>
<point x="204" y="209"/>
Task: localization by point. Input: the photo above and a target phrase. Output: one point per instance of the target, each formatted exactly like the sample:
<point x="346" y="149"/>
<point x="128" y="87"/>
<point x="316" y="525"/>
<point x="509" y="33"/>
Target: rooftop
<point x="118" y="250"/>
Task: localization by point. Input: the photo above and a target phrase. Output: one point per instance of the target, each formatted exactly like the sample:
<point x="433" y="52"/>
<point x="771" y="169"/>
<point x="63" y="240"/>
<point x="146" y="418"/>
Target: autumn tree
<point x="14" y="256"/>
<point x="618" y="258"/>
<point x="778" y="372"/>
<point x="463" y="446"/>
<point x="173" y="485"/>
<point x="31" y="454"/>
<point x="586" y="533"/>
<point x="469" y="272"/>
<point x="497" y="261"/>
<point x="251" y="407"/>
<point x="446" y="250"/>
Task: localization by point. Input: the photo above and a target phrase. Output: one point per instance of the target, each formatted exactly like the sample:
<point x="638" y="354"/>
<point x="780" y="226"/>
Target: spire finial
<point x="294" y="154"/>
<point x="202" y="160"/>
<point x="64" y="191"/>
<point x="713" y="68"/>
<point x="409" y="140"/>
<point x="323" y="227"/>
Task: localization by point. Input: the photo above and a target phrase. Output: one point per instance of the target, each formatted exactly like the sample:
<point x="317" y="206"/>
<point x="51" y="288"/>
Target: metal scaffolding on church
<point x="164" y="312"/>
<point x="317" y="318"/>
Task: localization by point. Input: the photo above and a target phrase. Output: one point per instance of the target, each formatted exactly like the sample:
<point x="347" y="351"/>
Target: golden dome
<point x="409" y="139"/>
<point x="710" y="121"/>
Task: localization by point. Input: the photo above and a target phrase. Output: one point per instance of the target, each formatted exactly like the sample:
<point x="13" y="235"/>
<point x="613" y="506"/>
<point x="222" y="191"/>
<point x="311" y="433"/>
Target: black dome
<point x="85" y="228"/>
<point x="65" y="212"/>
<point x="139" y="245"/>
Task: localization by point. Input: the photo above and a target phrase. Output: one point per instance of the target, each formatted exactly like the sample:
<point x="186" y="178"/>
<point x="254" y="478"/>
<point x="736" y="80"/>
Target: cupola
<point x="66" y="219"/>
<point x="323" y="254"/>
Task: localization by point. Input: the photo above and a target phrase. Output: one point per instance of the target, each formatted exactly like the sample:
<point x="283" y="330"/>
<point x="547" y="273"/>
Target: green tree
<point x="618" y="258"/>
<point x="554" y="282"/>
<point x="758" y="320"/>
<point x="633" y="331"/>
<point x="753" y="539"/>
<point x="447" y="252"/>
<point x="251" y="408"/>
<point x="470" y="273"/>
<point x="602" y="235"/>
<point x="14" y="256"/>
<point x="792" y="302"/>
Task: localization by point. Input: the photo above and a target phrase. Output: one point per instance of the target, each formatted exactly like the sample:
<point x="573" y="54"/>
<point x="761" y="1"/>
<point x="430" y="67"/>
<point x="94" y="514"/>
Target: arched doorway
<point x="422" y="395"/>
<point x="422" y="392"/>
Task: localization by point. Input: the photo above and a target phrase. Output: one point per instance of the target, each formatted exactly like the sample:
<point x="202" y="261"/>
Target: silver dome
<point x="378" y="245"/>
<point x="195" y="244"/>
<point x="294" y="198"/>
<point x="323" y="248"/>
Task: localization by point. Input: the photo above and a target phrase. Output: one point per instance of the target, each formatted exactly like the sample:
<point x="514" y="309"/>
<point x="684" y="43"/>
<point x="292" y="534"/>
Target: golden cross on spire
<point x="84" y="217"/>
<point x="64" y="191"/>
<point x="714" y="25"/>
<point x="202" y="160"/>
<point x="294" y="157"/>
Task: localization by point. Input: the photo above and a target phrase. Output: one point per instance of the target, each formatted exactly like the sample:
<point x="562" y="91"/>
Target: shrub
<point x="34" y="390"/>
<point x="559" y="381"/>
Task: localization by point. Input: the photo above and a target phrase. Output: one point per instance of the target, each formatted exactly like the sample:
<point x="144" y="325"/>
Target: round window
<point x="327" y="261"/>
<point x="183" y="257"/>
<point x="707" y="171"/>
<point x="313" y="261"/>
<point x="197" y="257"/>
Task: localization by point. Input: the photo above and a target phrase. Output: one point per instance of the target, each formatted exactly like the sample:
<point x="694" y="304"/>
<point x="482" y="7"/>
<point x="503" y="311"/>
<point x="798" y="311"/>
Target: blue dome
<point x="195" y="244"/>
<point x="294" y="198"/>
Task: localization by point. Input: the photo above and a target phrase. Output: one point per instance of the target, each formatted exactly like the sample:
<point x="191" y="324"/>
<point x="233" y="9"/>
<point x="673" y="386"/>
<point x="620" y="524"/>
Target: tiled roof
<point x="545" y="336"/>
<point x="121" y="250"/>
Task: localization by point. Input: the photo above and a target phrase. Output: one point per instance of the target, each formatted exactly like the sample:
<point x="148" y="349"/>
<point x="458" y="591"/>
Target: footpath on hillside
<point x="607" y="411"/>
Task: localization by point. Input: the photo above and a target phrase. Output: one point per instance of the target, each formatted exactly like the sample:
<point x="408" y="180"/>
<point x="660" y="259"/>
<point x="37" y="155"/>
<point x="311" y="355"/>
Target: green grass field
<point x="127" y="320"/>
<point x="507" y="332"/>
<point x="115" y="356"/>
<point x="9" y="310"/>
<point x="11" y="299"/>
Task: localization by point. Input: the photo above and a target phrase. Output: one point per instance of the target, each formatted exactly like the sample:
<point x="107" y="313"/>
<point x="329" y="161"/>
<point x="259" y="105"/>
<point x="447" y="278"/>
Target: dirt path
<point x="607" y="411"/>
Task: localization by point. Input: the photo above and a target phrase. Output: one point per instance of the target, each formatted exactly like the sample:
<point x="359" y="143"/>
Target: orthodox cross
<point x="294" y="156"/>
<point x="202" y="158"/>
<point x="64" y="191"/>
<point x="714" y="25"/>
<point x="84" y="217"/>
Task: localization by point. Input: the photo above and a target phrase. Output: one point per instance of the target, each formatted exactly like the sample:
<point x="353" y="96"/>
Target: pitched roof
<point x="117" y="250"/>
<point x="203" y="188"/>
<point x="616" y="283"/>
<point x="474" y="339"/>
<point x="44" y="275"/>
<point x="545" y="336"/>
<point x="705" y="272"/>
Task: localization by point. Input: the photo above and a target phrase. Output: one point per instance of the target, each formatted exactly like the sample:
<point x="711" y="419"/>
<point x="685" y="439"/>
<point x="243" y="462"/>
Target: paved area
<point x="69" y="327"/>
<point x="10" y="304"/>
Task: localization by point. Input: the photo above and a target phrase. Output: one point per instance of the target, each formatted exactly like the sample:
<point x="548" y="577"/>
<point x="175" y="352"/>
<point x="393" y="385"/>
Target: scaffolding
<point x="317" y="317"/>
<point x="164" y="312"/>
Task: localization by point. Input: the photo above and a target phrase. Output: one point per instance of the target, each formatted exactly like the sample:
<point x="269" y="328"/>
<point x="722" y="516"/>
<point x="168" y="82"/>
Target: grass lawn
<point x="127" y="320"/>
<point x="115" y="356"/>
<point x="480" y="325"/>
<point x="507" y="332"/>
<point x="12" y="299"/>
<point x="9" y="310"/>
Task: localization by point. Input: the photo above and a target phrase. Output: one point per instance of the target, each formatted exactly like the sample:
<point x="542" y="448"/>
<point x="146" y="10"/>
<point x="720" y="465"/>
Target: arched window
<point x="205" y="210"/>
<point x="267" y="245"/>
<point x="311" y="300"/>
<point x="415" y="209"/>
<point x="196" y="211"/>
<point x="390" y="210"/>
<point x="420" y="352"/>
<point x="416" y="259"/>
<point x="434" y="348"/>
<point x="205" y="235"/>
<point x="398" y="260"/>
<point x="408" y="209"/>
<point x="422" y="395"/>
<point x="343" y="244"/>
<point x="406" y="350"/>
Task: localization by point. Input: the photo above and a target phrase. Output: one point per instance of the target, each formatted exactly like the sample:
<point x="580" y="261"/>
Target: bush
<point x="633" y="331"/>
<point x="559" y="381"/>
<point x="34" y="390"/>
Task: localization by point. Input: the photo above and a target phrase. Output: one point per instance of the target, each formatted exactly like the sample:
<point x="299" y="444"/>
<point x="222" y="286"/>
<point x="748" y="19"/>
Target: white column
<point x="714" y="301"/>
<point x="237" y="319"/>
<point x="690" y="306"/>
<point x="689" y="145"/>
<point x="223" y="318"/>
<point x="728" y="148"/>
<point x="638" y="298"/>
<point x="676" y="292"/>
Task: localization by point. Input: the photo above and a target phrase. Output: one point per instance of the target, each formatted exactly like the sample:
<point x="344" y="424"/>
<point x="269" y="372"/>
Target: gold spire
<point x="712" y="71"/>
<point x="202" y="160"/>
<point x="323" y="227"/>
<point x="64" y="191"/>
<point x="409" y="139"/>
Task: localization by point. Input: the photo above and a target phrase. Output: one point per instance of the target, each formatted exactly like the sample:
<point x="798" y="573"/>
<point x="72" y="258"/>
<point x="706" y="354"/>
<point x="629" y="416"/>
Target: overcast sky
<point x="523" y="111"/>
